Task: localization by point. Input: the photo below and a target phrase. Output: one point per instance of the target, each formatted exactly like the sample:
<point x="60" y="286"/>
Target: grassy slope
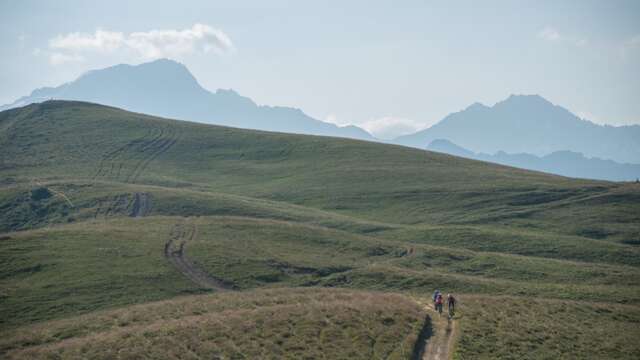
<point x="546" y="329"/>
<point x="368" y="180"/>
<point x="288" y="210"/>
<point x="283" y="324"/>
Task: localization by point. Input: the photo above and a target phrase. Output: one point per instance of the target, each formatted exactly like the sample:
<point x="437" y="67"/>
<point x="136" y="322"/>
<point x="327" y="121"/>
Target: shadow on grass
<point x="421" y="343"/>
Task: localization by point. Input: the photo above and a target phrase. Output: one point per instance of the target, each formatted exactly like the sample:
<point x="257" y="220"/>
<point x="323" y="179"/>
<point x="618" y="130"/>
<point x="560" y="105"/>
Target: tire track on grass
<point x="159" y="146"/>
<point x="108" y="163"/>
<point x="128" y="162"/>
<point x="134" y="205"/>
<point x="174" y="252"/>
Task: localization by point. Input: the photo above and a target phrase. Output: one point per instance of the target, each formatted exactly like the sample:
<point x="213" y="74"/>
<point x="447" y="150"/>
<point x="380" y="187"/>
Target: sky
<point x="390" y="67"/>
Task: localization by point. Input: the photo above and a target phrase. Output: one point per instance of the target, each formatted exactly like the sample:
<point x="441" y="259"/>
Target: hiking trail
<point x="437" y="337"/>
<point x="182" y="233"/>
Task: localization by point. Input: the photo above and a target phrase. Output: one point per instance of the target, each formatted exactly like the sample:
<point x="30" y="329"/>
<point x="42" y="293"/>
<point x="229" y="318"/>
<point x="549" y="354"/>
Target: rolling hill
<point x="530" y="124"/>
<point x="167" y="88"/>
<point x="126" y="232"/>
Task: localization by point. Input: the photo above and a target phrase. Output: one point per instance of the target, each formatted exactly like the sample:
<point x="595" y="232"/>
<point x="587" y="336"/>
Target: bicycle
<point x="439" y="308"/>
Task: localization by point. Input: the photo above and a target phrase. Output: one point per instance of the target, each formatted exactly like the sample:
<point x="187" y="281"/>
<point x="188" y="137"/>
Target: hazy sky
<point x="390" y="66"/>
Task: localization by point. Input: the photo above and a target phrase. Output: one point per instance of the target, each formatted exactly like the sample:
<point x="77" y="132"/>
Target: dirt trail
<point x="437" y="338"/>
<point x="141" y="205"/>
<point x="134" y="205"/>
<point x="174" y="252"/>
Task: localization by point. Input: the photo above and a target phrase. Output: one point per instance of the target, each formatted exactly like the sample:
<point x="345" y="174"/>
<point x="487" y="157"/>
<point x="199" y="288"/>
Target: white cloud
<point x="390" y="127"/>
<point x="385" y="128"/>
<point x="59" y="58"/>
<point x="586" y="115"/>
<point x="158" y="43"/>
<point x="149" y="45"/>
<point x="103" y="41"/>
<point x="333" y="119"/>
<point x="549" y="33"/>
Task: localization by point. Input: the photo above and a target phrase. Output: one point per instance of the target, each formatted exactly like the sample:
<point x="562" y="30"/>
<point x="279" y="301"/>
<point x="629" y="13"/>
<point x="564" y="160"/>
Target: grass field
<point x="91" y="198"/>
<point x="546" y="329"/>
<point x="286" y="323"/>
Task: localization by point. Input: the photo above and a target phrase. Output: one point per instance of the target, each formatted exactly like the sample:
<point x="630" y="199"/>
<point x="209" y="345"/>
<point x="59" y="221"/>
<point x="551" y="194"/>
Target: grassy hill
<point x="284" y="324"/>
<point x="97" y="205"/>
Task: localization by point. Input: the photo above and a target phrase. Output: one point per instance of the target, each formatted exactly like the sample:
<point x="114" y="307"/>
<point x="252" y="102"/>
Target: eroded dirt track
<point x="440" y="346"/>
<point x="141" y="205"/>
<point x="135" y="205"/>
<point x="174" y="251"/>
<point x="436" y="338"/>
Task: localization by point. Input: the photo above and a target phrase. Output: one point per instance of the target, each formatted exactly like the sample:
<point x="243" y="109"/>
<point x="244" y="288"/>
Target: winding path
<point x="174" y="252"/>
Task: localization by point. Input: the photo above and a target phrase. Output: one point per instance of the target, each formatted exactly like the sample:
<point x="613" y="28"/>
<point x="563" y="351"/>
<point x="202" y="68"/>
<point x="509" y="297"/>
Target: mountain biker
<point x="435" y="296"/>
<point x="439" y="302"/>
<point x="451" y="303"/>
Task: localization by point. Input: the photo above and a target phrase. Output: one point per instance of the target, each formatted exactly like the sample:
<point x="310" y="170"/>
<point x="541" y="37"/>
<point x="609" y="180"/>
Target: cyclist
<point x="435" y="296"/>
<point x="439" y="302"/>
<point x="451" y="303"/>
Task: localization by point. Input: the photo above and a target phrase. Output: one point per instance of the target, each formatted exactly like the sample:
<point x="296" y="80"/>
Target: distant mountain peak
<point x="524" y="100"/>
<point x="448" y="147"/>
<point x="159" y="64"/>
<point x="153" y="73"/>
<point x="166" y="88"/>
<point x="476" y="106"/>
<point x="165" y="62"/>
<point x="167" y="65"/>
<point x="530" y="124"/>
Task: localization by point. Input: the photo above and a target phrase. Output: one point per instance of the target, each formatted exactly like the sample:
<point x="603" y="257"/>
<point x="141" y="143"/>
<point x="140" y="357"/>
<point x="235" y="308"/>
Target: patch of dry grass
<point x="283" y="323"/>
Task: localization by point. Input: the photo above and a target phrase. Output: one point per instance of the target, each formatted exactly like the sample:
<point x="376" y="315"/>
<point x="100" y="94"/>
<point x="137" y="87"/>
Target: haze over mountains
<point x="167" y="88"/>
<point x="527" y="125"/>
<point x="530" y="124"/>
<point x="566" y="163"/>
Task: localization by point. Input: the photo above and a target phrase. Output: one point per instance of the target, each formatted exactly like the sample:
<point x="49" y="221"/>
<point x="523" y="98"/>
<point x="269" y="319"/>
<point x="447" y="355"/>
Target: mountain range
<point x="530" y="124"/>
<point x="527" y="125"/>
<point x="566" y="163"/>
<point x="166" y="88"/>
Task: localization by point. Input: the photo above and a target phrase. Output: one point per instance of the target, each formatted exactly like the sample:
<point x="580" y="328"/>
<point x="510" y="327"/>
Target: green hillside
<point x="102" y="209"/>
<point x="285" y="324"/>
